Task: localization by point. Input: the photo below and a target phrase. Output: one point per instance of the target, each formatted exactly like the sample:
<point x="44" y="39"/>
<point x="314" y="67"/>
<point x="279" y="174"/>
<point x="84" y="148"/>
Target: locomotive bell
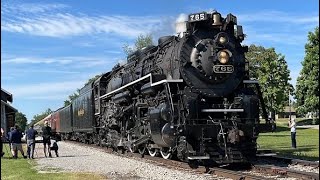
<point x="216" y="19"/>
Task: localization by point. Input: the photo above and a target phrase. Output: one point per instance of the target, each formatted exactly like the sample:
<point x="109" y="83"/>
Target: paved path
<point x="309" y="126"/>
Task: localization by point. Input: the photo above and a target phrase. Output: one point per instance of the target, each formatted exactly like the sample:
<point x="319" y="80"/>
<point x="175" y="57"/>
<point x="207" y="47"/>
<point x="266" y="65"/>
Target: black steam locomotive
<point x="190" y="96"/>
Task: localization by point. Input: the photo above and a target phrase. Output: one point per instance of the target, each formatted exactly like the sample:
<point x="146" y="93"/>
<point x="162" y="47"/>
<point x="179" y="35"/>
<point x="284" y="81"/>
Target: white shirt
<point x="293" y="127"/>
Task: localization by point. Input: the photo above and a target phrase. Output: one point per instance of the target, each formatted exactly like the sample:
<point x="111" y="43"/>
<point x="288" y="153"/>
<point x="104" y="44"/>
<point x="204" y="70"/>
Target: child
<point x="55" y="147"/>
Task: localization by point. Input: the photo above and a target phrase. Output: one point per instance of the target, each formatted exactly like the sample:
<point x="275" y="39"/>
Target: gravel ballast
<point x="77" y="158"/>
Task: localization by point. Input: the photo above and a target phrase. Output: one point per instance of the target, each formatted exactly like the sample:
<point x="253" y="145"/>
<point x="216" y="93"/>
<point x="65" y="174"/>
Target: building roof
<point x="9" y="108"/>
<point x="289" y="109"/>
<point x="6" y="96"/>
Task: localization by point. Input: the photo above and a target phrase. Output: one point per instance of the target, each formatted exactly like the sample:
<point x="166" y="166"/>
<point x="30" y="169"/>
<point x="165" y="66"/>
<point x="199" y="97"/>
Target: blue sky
<point x="51" y="48"/>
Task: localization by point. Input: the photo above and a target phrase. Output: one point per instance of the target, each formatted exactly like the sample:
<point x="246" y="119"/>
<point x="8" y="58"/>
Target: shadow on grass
<point x="284" y="128"/>
<point x="281" y="129"/>
<point x="277" y="135"/>
<point x="308" y="122"/>
<point x="299" y="152"/>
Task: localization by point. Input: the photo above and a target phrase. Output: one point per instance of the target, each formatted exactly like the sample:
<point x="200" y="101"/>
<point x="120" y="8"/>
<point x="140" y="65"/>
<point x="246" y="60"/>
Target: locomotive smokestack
<point x="181" y="25"/>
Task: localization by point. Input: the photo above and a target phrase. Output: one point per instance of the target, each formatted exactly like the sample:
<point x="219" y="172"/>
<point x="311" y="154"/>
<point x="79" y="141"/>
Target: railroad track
<point x="285" y="173"/>
<point x="266" y="172"/>
<point x="286" y="160"/>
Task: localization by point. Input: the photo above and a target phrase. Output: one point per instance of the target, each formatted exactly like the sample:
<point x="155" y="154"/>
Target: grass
<point x="280" y="141"/>
<point x="25" y="169"/>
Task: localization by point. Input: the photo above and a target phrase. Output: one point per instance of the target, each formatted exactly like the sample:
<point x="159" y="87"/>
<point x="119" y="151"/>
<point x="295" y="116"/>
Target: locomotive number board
<point x="198" y="17"/>
<point x="223" y="69"/>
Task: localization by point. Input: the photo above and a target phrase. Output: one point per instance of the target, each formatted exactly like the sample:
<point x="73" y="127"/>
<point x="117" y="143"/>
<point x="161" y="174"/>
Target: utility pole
<point x="289" y="108"/>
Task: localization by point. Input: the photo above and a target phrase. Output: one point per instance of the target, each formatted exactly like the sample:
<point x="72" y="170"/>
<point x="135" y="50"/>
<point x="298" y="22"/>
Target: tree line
<point x="266" y="65"/>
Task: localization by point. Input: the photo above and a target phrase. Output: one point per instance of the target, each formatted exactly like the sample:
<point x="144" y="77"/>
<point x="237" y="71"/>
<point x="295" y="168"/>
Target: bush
<point x="305" y="122"/>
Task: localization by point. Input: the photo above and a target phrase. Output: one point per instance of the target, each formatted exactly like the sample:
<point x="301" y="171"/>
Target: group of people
<point x="15" y="135"/>
<point x="15" y="142"/>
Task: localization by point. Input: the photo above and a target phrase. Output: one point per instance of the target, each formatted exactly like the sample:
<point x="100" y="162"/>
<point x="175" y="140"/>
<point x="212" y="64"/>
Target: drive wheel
<point x="153" y="152"/>
<point x="166" y="153"/>
<point x="142" y="150"/>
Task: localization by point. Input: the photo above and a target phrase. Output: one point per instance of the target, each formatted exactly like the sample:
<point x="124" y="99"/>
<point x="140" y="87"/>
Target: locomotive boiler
<point x="190" y="97"/>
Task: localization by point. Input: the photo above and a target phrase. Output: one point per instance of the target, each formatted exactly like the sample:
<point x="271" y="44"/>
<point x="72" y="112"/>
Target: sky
<point x="49" y="49"/>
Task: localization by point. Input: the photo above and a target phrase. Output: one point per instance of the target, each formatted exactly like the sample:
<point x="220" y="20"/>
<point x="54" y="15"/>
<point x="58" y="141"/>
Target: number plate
<point x="223" y="69"/>
<point x="198" y="17"/>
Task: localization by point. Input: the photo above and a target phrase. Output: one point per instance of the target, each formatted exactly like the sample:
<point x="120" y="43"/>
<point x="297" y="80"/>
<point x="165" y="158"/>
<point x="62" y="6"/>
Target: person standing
<point x="46" y="134"/>
<point x="9" y="137"/>
<point x="15" y="140"/>
<point x="2" y="136"/>
<point x="292" y="126"/>
<point x="31" y="141"/>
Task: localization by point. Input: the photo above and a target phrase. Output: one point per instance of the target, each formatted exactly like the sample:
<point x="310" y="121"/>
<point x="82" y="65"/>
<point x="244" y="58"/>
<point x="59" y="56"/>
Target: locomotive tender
<point x="189" y="96"/>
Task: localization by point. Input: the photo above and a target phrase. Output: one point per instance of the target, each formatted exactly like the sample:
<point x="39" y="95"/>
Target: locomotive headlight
<point x="224" y="56"/>
<point x="223" y="40"/>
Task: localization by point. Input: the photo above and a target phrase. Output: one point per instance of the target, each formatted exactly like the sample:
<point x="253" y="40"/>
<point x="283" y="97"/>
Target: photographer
<point x="292" y="126"/>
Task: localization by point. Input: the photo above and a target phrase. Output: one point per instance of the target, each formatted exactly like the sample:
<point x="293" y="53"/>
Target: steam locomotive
<point x="189" y="97"/>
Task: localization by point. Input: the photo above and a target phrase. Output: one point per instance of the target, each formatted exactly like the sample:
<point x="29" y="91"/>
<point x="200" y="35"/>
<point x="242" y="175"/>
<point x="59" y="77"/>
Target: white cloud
<point x="66" y="24"/>
<point x="60" y="97"/>
<point x="113" y="52"/>
<point x="45" y="89"/>
<point x="75" y="61"/>
<point x="34" y="60"/>
<point x="30" y="7"/>
<point x="277" y="17"/>
<point x="255" y="37"/>
<point x="23" y="71"/>
<point x="181" y="18"/>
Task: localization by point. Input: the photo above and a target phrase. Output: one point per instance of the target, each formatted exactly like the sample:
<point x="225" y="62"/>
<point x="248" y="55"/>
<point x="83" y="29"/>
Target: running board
<point x="198" y="157"/>
<point x="141" y="79"/>
<point x="222" y="110"/>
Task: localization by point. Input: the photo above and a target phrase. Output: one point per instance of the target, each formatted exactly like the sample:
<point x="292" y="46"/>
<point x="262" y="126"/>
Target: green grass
<point x="25" y="169"/>
<point x="280" y="141"/>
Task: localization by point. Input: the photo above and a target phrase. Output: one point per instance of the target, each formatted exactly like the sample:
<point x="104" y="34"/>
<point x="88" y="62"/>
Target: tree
<point x="141" y="42"/>
<point x="93" y="79"/>
<point x="21" y="120"/>
<point x="307" y="88"/>
<point x="272" y="71"/>
<point x="76" y="94"/>
<point x="39" y="117"/>
<point x="71" y="98"/>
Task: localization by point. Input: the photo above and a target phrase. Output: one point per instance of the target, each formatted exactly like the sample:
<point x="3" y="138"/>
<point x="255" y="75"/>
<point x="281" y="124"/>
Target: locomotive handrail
<point x="222" y="110"/>
<point x="140" y="79"/>
<point x="251" y="81"/>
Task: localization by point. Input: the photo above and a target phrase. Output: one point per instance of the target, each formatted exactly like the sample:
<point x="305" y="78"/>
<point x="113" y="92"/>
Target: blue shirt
<point x="31" y="134"/>
<point x="16" y="136"/>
